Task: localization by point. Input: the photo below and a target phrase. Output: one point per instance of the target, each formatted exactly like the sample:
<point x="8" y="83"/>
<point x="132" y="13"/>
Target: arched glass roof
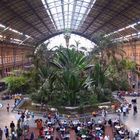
<point x="68" y="14"/>
<point x="83" y="42"/>
<point x="34" y="21"/>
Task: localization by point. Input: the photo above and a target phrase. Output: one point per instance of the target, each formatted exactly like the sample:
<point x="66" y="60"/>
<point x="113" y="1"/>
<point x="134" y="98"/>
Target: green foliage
<point x="93" y="99"/>
<point x="68" y="77"/>
<point x="124" y="85"/>
<point x="16" y="84"/>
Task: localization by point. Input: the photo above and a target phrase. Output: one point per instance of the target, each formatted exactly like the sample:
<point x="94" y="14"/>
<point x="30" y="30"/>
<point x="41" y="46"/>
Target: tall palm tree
<point x="70" y="66"/>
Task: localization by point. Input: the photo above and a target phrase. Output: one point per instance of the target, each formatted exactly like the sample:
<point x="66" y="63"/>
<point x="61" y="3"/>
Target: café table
<point x="117" y="127"/>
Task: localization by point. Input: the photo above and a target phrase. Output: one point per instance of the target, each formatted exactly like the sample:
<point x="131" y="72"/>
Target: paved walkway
<point x="72" y="135"/>
<point x="132" y="121"/>
<point x="6" y="117"/>
<point x="109" y="132"/>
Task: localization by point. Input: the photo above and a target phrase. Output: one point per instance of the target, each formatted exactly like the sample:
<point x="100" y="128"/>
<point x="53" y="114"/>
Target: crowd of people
<point x="52" y="126"/>
<point x="126" y="106"/>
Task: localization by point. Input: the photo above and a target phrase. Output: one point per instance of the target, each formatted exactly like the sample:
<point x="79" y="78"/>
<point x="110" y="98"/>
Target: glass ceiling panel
<point x="72" y="13"/>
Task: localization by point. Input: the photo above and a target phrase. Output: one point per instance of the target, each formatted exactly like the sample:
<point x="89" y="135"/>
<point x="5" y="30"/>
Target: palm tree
<point x="70" y="66"/>
<point x="106" y="56"/>
<point x="77" y="46"/>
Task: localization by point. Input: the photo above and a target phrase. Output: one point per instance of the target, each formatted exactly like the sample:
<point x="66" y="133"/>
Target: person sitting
<point x="134" y="101"/>
<point x="110" y="122"/>
<point x="94" y="114"/>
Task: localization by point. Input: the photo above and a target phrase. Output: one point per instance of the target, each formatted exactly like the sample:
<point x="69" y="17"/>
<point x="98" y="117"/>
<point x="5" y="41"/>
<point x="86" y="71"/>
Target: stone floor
<point x="6" y="117"/>
<point x="132" y="121"/>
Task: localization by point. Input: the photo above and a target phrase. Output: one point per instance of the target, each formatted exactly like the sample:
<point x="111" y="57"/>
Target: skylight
<point x="59" y="40"/>
<point x="67" y="14"/>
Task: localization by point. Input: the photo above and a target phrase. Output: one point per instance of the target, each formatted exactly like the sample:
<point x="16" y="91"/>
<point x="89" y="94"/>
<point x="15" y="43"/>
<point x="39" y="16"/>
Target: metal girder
<point x="50" y="14"/>
<point x="87" y="37"/>
<point x="48" y="37"/>
<point x="105" y="7"/>
<point x="122" y="14"/>
<point x="62" y="2"/>
<point x="29" y="5"/>
<point x="76" y="33"/>
<point x="116" y="15"/>
<point x="19" y="17"/>
<point x="73" y="10"/>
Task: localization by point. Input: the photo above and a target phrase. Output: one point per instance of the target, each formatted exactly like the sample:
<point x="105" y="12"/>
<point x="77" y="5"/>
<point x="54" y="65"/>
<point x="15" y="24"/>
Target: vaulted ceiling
<point x="39" y="20"/>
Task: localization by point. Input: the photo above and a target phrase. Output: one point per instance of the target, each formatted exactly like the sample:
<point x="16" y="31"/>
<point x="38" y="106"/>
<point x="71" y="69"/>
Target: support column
<point x="134" y="76"/>
<point x="2" y="66"/>
<point x="14" y="58"/>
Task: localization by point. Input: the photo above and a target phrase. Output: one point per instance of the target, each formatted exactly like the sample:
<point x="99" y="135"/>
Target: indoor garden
<point x="67" y="76"/>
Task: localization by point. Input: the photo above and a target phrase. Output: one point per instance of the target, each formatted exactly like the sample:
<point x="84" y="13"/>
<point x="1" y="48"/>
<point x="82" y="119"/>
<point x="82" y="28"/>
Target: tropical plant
<point x="67" y="76"/>
<point x="16" y="84"/>
<point x="71" y="65"/>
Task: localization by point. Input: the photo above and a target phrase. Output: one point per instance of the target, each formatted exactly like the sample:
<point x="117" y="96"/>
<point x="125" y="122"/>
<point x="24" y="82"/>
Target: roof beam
<point x="76" y="33"/>
<point x="50" y="13"/>
<point x="20" y="17"/>
<point x="34" y="11"/>
<point x="112" y="10"/>
<point x="62" y="7"/>
<point x="48" y="37"/>
<point x="73" y="10"/>
<point x="116" y="15"/>
<point x="103" y="9"/>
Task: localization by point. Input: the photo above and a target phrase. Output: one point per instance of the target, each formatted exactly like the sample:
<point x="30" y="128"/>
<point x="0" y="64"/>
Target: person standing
<point x="32" y="136"/>
<point x="32" y="114"/>
<point x="19" y="133"/>
<point x="13" y="136"/>
<point x="6" y="131"/>
<point x="1" y="134"/>
<point x="8" y="107"/>
<point x="103" y="113"/>
<point x="124" y="110"/>
<point x="106" y="137"/>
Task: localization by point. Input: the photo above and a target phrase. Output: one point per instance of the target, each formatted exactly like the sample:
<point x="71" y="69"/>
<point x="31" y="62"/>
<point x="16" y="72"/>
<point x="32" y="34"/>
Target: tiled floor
<point x="132" y="121"/>
<point x="109" y="132"/>
<point x="6" y="117"/>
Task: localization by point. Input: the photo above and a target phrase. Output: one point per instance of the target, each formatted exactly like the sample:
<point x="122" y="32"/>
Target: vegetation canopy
<point x="71" y="77"/>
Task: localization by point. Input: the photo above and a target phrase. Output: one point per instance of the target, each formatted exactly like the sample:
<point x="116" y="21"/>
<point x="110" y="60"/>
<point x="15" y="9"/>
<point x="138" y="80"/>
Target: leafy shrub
<point x="16" y="84"/>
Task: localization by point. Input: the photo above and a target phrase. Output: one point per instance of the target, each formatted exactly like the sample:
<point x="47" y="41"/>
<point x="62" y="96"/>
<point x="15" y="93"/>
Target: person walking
<point x="1" y="134"/>
<point x="19" y="133"/>
<point x="12" y="126"/>
<point x="135" y="109"/>
<point x="22" y="116"/>
<point x="6" y="131"/>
